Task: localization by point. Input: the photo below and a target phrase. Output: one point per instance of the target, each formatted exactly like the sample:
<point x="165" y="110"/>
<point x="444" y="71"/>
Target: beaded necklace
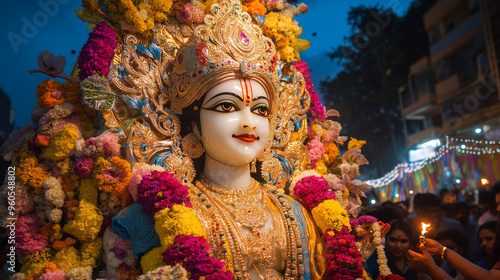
<point x="228" y="212"/>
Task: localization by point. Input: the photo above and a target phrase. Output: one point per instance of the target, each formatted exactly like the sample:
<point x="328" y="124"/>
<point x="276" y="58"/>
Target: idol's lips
<point x="246" y="137"/>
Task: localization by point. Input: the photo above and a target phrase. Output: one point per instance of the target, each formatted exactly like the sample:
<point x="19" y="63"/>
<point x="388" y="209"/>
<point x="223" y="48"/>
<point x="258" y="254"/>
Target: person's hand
<point x="420" y="262"/>
<point x="433" y="247"/>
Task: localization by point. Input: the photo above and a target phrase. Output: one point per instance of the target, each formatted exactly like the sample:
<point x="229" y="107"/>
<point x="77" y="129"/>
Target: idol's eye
<point x="224" y="106"/>
<point x="261" y="109"/>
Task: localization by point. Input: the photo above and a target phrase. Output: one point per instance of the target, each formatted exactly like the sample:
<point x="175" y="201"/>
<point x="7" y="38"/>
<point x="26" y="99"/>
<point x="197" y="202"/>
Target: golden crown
<point x="226" y="46"/>
<point x="151" y="81"/>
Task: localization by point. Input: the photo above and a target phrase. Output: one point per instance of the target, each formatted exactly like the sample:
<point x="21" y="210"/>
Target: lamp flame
<point x="424" y="228"/>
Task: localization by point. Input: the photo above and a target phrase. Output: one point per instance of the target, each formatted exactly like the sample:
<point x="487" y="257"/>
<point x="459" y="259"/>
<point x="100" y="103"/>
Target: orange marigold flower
<point x="332" y="151"/>
<point x="50" y="93"/>
<point x="256" y="8"/>
<point x="42" y="140"/>
<point x="112" y="177"/>
<point x="32" y="173"/>
<point x="47" y="229"/>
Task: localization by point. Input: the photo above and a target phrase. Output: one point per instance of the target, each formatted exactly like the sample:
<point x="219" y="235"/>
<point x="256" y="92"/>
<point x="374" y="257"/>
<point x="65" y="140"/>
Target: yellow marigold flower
<point x="89" y="252"/>
<point x="34" y="262"/>
<point x="87" y="128"/>
<point x="321" y="167"/>
<point x="256" y="8"/>
<point x="57" y="233"/>
<point x="178" y="220"/>
<point x="209" y="3"/>
<point x="329" y="214"/>
<point x="88" y="191"/>
<point x="346" y="194"/>
<point x="32" y="173"/>
<point x="87" y="222"/>
<point x="332" y="151"/>
<point x="65" y="166"/>
<point x="355" y="144"/>
<point x="62" y="144"/>
<point x="67" y="259"/>
<point x="160" y="9"/>
<point x="152" y="260"/>
<point x="282" y="29"/>
<point x="296" y="136"/>
<point x="125" y="14"/>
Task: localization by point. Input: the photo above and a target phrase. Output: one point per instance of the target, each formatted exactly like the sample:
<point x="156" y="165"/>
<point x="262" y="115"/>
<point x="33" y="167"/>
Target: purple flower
<point x="316" y="110"/>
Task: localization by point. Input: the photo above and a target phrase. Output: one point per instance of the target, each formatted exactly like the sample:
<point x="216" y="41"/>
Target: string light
<point x="450" y="144"/>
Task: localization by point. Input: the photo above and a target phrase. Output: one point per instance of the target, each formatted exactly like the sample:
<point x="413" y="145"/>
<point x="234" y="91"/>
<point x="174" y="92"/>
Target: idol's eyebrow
<point x="261" y="97"/>
<point x="223" y="93"/>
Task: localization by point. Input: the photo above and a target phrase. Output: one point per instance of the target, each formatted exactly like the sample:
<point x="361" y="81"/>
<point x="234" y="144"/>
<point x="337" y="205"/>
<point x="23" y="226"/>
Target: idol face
<point x="234" y="121"/>
<point x="398" y="243"/>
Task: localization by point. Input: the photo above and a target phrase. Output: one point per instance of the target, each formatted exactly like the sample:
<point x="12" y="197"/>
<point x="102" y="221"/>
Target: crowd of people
<point x="462" y="242"/>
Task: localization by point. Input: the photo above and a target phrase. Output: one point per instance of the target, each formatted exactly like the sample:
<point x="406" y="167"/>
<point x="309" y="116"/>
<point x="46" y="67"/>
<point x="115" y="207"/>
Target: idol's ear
<point x="195" y="128"/>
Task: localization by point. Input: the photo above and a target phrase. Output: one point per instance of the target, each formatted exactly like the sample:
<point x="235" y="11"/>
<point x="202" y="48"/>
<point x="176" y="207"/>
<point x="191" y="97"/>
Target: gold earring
<point x="192" y="146"/>
<point x="253" y="168"/>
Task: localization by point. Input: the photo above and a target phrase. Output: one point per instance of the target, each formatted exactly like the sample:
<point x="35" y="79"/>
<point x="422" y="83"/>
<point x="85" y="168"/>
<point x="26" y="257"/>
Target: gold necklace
<point x="229" y="243"/>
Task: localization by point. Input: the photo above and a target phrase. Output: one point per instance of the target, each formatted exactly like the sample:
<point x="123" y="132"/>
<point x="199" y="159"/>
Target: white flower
<point x="54" y="192"/>
<point x="80" y="273"/>
<point x="54" y="215"/>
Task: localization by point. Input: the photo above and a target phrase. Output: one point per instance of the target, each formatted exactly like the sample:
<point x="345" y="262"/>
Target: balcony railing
<point x="470" y="24"/>
<point x="414" y="95"/>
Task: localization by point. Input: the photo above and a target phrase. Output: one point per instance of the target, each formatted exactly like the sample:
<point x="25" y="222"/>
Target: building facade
<point x="454" y="91"/>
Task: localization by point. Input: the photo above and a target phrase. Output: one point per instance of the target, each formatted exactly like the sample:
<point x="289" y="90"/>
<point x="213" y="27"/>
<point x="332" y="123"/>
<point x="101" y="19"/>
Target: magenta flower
<point x="28" y="240"/>
<point x="96" y="55"/>
<point x="192" y="253"/>
<point x="185" y="13"/>
<point x="313" y="190"/>
<point x="161" y="190"/>
<point x="51" y="65"/>
<point x="316" y="110"/>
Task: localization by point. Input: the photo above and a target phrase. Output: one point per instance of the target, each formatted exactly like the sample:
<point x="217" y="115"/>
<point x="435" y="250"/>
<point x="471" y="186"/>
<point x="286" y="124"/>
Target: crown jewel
<point x="227" y="45"/>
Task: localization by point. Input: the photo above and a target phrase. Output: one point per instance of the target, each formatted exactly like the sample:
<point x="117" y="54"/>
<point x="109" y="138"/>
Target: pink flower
<point x="84" y="167"/>
<point x="316" y="149"/>
<point x="106" y="145"/>
<point x="28" y="240"/>
<point x="185" y="13"/>
<point x="334" y="182"/>
<point x="303" y="8"/>
<point x="51" y="65"/>
<point x="53" y="275"/>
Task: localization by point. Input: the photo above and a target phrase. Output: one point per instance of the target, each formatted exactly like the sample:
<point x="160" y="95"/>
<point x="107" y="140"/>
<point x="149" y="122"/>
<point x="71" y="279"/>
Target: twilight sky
<point x="28" y="27"/>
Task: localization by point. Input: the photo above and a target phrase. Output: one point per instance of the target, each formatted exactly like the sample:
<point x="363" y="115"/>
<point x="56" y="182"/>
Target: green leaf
<point x="301" y="45"/>
<point x="86" y="16"/>
<point x="131" y="122"/>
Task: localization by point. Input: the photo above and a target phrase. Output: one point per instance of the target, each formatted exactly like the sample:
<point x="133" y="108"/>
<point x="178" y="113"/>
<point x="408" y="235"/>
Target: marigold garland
<point x="282" y="29"/>
<point x="89" y="252"/>
<point x="87" y="222"/>
<point x="62" y="144"/>
<point x="152" y="260"/>
<point x="32" y="173"/>
<point x="112" y="177"/>
<point x="329" y="214"/>
<point x="50" y="93"/>
<point x="178" y="220"/>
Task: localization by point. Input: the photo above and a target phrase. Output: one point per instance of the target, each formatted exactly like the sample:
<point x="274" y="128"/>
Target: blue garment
<point x="484" y="263"/>
<point x="372" y="267"/>
<point x="299" y="216"/>
<point x="133" y="223"/>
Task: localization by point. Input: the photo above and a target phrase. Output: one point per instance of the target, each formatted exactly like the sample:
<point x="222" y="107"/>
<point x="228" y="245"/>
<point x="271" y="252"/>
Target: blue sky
<point x="29" y="27"/>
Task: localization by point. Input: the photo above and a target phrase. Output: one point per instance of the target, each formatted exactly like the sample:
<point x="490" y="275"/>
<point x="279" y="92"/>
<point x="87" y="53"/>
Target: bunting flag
<point x="464" y="162"/>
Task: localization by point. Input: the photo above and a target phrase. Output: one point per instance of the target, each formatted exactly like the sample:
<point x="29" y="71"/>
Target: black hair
<point x="402" y="225"/>
<point x="454" y="235"/>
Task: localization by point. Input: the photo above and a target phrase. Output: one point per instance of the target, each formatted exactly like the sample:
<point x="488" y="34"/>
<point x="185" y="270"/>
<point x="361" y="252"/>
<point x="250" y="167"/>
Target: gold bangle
<point x="442" y="254"/>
